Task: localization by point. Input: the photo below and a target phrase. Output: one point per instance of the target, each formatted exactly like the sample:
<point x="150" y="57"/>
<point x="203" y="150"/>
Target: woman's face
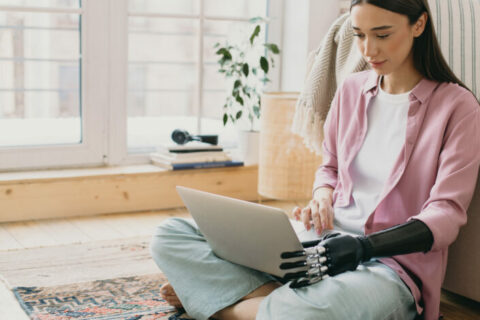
<point x="384" y="38"/>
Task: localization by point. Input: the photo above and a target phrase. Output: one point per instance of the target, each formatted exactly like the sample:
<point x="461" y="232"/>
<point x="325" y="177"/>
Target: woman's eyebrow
<point x="375" y="28"/>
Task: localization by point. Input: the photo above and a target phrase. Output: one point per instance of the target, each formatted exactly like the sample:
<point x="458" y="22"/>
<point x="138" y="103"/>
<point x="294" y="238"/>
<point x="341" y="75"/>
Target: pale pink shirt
<point x="432" y="179"/>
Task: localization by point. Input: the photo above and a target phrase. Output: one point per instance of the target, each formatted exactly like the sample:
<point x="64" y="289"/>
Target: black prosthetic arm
<point x="339" y="253"/>
<point x="410" y="237"/>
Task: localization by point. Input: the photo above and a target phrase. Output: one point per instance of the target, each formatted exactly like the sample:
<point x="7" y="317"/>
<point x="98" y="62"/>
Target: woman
<point x="400" y="161"/>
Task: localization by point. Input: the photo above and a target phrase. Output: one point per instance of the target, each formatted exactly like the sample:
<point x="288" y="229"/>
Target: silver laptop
<point x="245" y="233"/>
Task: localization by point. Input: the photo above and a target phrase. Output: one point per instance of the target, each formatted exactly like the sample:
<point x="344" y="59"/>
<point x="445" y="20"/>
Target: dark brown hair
<point x="427" y="56"/>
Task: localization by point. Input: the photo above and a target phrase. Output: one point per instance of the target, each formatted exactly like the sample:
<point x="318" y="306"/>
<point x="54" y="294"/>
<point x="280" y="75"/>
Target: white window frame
<point x="104" y="87"/>
<point x="89" y="152"/>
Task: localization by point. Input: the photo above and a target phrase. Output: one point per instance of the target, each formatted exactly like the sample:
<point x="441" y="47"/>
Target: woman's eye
<point x="358" y="35"/>
<point x="383" y="36"/>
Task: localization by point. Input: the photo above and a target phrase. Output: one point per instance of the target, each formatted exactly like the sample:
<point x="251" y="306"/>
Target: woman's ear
<point x="419" y="26"/>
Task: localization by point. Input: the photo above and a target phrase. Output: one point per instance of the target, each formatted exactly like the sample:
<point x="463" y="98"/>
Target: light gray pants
<point x="206" y="284"/>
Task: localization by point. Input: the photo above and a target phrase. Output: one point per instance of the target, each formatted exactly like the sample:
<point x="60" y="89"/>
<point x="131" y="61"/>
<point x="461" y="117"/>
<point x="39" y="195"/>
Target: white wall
<point x="305" y="22"/>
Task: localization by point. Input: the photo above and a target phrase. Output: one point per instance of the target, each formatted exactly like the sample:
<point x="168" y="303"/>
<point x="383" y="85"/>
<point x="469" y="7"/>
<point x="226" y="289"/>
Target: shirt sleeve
<point x="326" y="174"/>
<point x="446" y="208"/>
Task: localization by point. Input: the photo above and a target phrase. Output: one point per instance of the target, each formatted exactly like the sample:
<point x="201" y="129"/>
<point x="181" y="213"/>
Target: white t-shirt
<point x="385" y="138"/>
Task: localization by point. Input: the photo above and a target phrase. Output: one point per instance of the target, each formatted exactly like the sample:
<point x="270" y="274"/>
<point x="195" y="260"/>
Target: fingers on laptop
<point x="329" y="216"/>
<point x="321" y="214"/>
<point x="318" y="213"/>
<point x="326" y="214"/>
<point x="307" y="217"/>
<point x="318" y="216"/>
<point x="297" y="212"/>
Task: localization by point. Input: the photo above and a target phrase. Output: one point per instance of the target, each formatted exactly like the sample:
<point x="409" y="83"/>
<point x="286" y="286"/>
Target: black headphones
<point x="182" y="136"/>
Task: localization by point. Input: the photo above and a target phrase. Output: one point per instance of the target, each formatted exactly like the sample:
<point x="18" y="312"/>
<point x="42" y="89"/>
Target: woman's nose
<point x="370" y="49"/>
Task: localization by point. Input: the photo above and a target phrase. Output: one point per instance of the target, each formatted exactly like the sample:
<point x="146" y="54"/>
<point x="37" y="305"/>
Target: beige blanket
<point x="336" y="58"/>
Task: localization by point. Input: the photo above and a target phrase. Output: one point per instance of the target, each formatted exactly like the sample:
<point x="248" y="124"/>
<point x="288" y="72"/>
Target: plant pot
<point x="248" y="146"/>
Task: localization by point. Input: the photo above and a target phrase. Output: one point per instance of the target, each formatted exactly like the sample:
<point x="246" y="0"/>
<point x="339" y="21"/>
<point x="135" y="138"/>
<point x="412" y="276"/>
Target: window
<point x="172" y="68"/>
<point x="40" y="60"/>
<point x="92" y="82"/>
<point x="47" y="115"/>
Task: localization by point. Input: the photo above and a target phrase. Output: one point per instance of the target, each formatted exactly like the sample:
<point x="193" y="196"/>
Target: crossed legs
<point x="208" y="285"/>
<point x="245" y="308"/>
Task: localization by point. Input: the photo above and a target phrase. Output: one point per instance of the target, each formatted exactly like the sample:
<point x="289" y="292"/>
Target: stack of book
<point x="193" y="155"/>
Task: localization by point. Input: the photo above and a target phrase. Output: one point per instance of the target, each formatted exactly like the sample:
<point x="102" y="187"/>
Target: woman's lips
<point x="376" y="64"/>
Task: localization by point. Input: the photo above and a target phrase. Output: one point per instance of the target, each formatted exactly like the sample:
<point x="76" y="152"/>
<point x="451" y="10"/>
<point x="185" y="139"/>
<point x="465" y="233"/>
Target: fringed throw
<point x="329" y="65"/>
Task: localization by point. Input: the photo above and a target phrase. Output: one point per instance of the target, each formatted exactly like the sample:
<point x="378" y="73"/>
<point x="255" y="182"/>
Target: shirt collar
<point x="420" y="92"/>
<point x="372" y="82"/>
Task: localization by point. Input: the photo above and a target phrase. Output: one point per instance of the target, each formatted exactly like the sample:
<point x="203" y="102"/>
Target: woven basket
<point x="286" y="167"/>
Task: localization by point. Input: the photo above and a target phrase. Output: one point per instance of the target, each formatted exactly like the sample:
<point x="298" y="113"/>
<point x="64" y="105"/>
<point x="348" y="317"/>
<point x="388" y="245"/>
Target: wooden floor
<point x="20" y="236"/>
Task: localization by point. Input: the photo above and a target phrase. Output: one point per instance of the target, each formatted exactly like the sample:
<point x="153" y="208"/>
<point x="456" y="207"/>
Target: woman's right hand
<point x="319" y="211"/>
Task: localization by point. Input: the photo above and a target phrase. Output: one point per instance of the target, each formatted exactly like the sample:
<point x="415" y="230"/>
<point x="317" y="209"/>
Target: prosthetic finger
<point x="292" y="254"/>
<point x="295" y="275"/>
<point x="313" y="258"/>
<point x="293" y="265"/>
<point x="310" y="261"/>
<point x="308" y="244"/>
<point x="299" y="284"/>
<point x="305" y="278"/>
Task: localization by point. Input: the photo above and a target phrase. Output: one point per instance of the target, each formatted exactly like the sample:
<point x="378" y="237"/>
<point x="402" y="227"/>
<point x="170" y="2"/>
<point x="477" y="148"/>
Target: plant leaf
<point x="245" y="69"/>
<point x="256" y="19"/>
<point x="246" y="92"/>
<point x="222" y="61"/>
<point x="237" y="84"/>
<point x="254" y="71"/>
<point x="239" y="99"/>
<point x="216" y="45"/>
<point x="225" y="119"/>
<point x="255" y="33"/>
<point x="225" y="53"/>
<point x="272" y="47"/>
<point x="264" y="64"/>
<point x="239" y="115"/>
<point x="256" y="110"/>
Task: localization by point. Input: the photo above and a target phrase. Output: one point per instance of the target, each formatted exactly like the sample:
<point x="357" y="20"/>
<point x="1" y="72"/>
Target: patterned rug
<point x="129" y="298"/>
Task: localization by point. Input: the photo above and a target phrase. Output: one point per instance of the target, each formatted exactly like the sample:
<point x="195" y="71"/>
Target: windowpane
<point x="145" y="133"/>
<point x="162" y="85"/>
<point x="163" y="68"/>
<point x="165" y="6"/>
<point x="40" y="83"/>
<point x="34" y="131"/>
<point x="216" y="86"/>
<point x="245" y="8"/>
<point x="162" y="40"/>
<point x="42" y="3"/>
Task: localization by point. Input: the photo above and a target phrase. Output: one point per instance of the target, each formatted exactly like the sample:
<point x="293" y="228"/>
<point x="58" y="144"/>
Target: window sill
<point x="80" y="192"/>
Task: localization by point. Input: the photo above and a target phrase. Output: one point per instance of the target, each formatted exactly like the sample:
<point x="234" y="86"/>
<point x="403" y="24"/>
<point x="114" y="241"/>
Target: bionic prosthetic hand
<point x="337" y="253"/>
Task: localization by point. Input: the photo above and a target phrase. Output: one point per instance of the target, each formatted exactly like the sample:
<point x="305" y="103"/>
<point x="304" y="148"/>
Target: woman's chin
<point x="380" y="71"/>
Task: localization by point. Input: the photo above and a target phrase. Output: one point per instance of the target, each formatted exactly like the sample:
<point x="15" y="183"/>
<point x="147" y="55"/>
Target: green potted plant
<point x="245" y="65"/>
